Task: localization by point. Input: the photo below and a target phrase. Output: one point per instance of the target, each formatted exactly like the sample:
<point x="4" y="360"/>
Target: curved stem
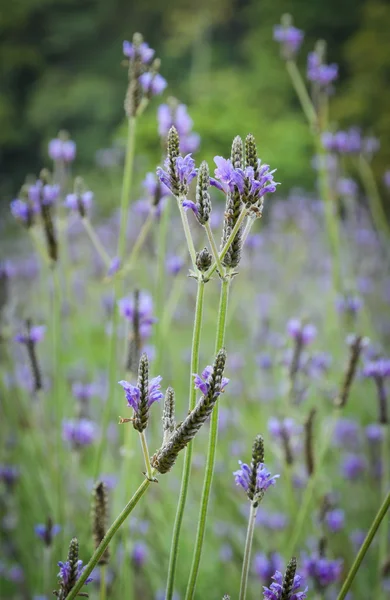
<point x="229" y="241"/>
<point x="385" y="486"/>
<point x="365" y="546"/>
<point x="214" y="248"/>
<point x="96" y="242"/>
<point x="187" y="233"/>
<point x="145" y="452"/>
<point x="247" y="552"/>
<point x="108" y="537"/>
<point x="138" y="243"/>
<point x="126" y="185"/>
<point x="212" y="447"/>
<point x="188" y="452"/>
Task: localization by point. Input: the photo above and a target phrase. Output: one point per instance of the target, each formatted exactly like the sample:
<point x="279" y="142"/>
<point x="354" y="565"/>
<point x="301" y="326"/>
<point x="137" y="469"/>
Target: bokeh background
<point x="61" y="68"/>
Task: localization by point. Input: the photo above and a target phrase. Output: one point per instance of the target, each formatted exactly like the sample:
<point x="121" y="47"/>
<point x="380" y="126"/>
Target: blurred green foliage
<point x="61" y="68"/>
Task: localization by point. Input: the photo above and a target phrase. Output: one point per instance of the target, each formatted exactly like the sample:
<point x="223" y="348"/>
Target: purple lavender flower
<point x="349" y="304"/>
<point x="201" y="382"/>
<point x="32" y="336"/>
<point x="290" y="38"/>
<point x="275" y="521"/>
<point x="79" y="202"/>
<point x="353" y="466"/>
<point x="79" y="433"/>
<point x="184" y="170"/>
<point x="141" y="50"/>
<point x="177" y="116"/>
<point x="322" y="570"/>
<point x="145" y="309"/>
<point x="154" y="188"/>
<point x="377" y="368"/>
<point x="343" y="142"/>
<point x="279" y="428"/>
<point x="139" y="554"/>
<point x="346" y="434"/>
<point x="62" y="150"/>
<point x="374" y="433"/>
<point x="9" y="474"/>
<point x="83" y="391"/>
<point x="319" y="73"/>
<point x="264" y="477"/>
<point x="347" y="187"/>
<point x="335" y="519"/>
<point x="227" y="177"/>
<point x="66" y="571"/>
<point x="174" y="264"/>
<point x="153" y="84"/>
<point x="133" y="393"/>
<point x="47" y="531"/>
<point x="305" y="333"/>
<point x="23" y="211"/>
<point x="265" y="565"/>
<point x="274" y="592"/>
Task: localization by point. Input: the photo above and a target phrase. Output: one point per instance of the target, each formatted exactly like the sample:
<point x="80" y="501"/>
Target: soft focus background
<point x="61" y="68"/>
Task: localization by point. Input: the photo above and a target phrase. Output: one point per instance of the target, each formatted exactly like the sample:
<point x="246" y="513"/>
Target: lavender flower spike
<point x="264" y="479"/>
<point x="70" y="571"/>
<point x="143" y="395"/>
<point x="286" y="588"/>
<point x="289" y="37"/>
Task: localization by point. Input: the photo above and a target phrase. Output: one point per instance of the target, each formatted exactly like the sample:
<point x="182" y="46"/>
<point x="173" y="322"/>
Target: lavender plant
<point x="110" y="321"/>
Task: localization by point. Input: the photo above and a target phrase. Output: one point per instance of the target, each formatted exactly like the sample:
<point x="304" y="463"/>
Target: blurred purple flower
<point x="76" y="201"/>
<point x="142" y="51"/>
<point x="139" y="554"/>
<point x="265" y="565"/>
<point x="290" y="38"/>
<point x="323" y="571"/>
<point x="319" y="73"/>
<point x="145" y="308"/>
<point x="80" y="432"/>
<point x="9" y="474"/>
<point x="174" y="264"/>
<point x="335" y="519"/>
<point x="346" y="434"/>
<point x="374" y="433"/>
<point x="62" y="150"/>
<point x="47" y="532"/>
<point x="353" y="466"/>
<point x="34" y="335"/>
<point x="297" y="330"/>
<point x="152" y="83"/>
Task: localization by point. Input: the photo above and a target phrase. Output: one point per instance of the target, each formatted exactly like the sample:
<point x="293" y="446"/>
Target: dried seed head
<point x="141" y="417"/>
<point x="257" y="459"/>
<point x="203" y="201"/>
<point x="173" y="151"/>
<point x="251" y="159"/>
<point x="165" y="458"/>
<point x="203" y="260"/>
<point x="99" y="518"/>
<point x="168" y="417"/>
<point x="288" y="580"/>
<point x="356" y="347"/>
<point x="237" y="155"/>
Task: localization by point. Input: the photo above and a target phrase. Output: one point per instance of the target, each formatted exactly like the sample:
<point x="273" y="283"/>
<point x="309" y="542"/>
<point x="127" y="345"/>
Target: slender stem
<point x="364" y="547"/>
<point x="188" y="451"/>
<point x="311" y="487"/>
<point x="138" y="243"/>
<point x="187" y="233"/>
<point x="302" y="93"/>
<point x="377" y="212"/>
<point x="145" y="452"/>
<point x="103" y="586"/>
<point x="212" y="446"/>
<point x="247" y="551"/>
<point x="385" y="486"/>
<point x="95" y="241"/>
<point x="112" y="361"/>
<point x="229" y="241"/>
<point x="121" y="518"/>
<point x="214" y="248"/>
<point x="248" y="227"/>
<point x="126" y="185"/>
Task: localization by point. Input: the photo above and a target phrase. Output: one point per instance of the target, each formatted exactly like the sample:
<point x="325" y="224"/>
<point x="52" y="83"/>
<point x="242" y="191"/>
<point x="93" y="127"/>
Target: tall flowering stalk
<point x="255" y="480"/>
<point x="315" y="108"/>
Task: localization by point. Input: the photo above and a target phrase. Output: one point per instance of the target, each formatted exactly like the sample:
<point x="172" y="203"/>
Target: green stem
<point x="188" y="451"/>
<point x="103" y="586"/>
<point x="377" y="213"/>
<point x="311" y="486"/>
<point x="126" y="185"/>
<point x="247" y="552"/>
<point x="121" y="518"/>
<point x="138" y="243"/>
<point x="248" y="227"/>
<point x="212" y="446"/>
<point x="302" y="93"/>
<point x="145" y="452"/>
<point x="385" y="486"/>
<point x="229" y="241"/>
<point x="365" y="546"/>
<point x="214" y="248"/>
<point x="96" y="242"/>
<point x="187" y="233"/>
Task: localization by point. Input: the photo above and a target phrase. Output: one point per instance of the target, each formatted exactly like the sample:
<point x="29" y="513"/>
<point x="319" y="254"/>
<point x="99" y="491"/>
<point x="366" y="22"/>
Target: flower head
<point x="47" y="531"/>
<point x="79" y="433"/>
<point x="264" y="479"/>
<point x="322" y="570"/>
<point x="305" y="333"/>
<point x="33" y="335"/>
<point x="142" y="50"/>
<point x="320" y="73"/>
<point x="62" y="150"/>
<point x="335" y="519"/>
<point x="133" y="393"/>
<point x="145" y="312"/>
<point x="379" y="368"/>
<point x="177" y="177"/>
<point x="79" y="202"/>
<point x="286" y="589"/>
<point x="265" y="565"/>
<point x="290" y="38"/>
<point x="153" y="84"/>
<point x="202" y="382"/>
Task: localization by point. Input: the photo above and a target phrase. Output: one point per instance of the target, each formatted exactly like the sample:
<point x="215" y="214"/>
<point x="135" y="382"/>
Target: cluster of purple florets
<point x="274" y="591"/>
<point x="151" y="82"/>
